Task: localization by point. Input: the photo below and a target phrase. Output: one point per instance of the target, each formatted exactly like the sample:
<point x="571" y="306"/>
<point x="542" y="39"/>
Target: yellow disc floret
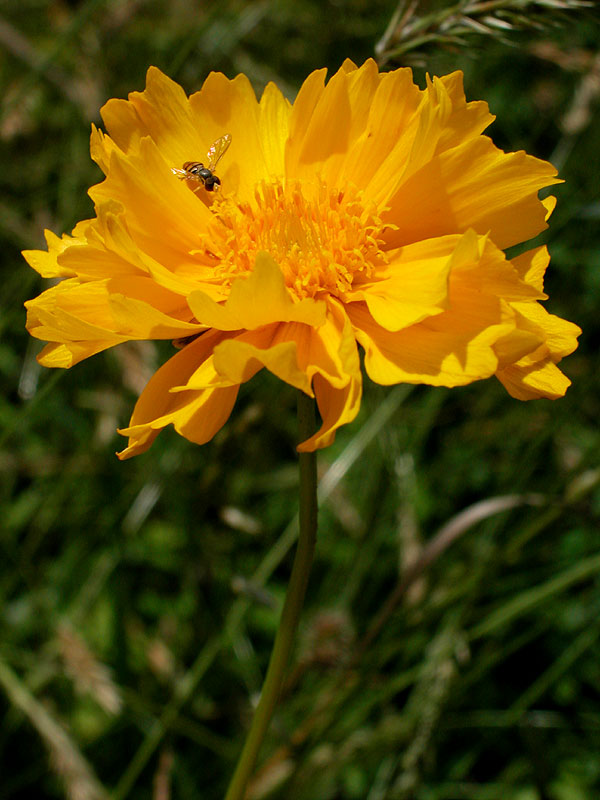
<point x="324" y="240"/>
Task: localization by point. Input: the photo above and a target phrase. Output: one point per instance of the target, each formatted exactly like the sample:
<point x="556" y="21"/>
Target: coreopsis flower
<point x="367" y="213"/>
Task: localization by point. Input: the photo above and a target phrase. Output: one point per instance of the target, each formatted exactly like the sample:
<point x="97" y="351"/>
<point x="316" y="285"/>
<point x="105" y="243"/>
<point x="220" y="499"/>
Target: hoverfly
<point x="197" y="171"/>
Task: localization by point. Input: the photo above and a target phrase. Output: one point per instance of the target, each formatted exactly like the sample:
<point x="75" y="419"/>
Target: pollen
<point x="326" y="241"/>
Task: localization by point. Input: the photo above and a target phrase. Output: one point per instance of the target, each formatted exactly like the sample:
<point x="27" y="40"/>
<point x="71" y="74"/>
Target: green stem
<point x="292" y="607"/>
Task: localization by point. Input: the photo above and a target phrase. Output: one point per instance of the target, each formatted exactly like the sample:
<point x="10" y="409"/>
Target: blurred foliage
<point x="442" y="657"/>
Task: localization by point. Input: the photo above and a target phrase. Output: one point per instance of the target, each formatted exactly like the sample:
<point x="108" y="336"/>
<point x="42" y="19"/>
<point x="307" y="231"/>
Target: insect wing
<point x="181" y="173"/>
<point x="217" y="150"/>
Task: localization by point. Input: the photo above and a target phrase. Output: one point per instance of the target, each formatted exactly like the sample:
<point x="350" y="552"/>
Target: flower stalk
<point x="292" y="607"/>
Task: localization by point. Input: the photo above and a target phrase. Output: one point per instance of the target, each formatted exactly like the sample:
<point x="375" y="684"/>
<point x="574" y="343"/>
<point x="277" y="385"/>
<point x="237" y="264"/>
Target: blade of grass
<point x="535" y="596"/>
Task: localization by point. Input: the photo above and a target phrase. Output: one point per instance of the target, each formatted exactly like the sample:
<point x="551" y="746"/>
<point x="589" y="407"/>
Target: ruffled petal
<point x="474" y="185"/>
<point x="108" y="250"/>
<point x="89" y="317"/>
<point x="273" y="124"/>
<point x="301" y="114"/>
<point x="467" y="119"/>
<point x="164" y="218"/>
<point x="197" y="415"/>
<point x="327" y="121"/>
<point x="260" y="299"/>
<point x="468" y="340"/>
<point x="337" y="407"/>
<point x="46" y="262"/>
<point x="65" y="356"/>
<point x="361" y="84"/>
<point x="241" y="358"/>
<point x="560" y="335"/>
<point x="295" y="352"/>
<point x="162" y="111"/>
<point x="426" y="124"/>
<point x="394" y="106"/>
<point x="74" y="315"/>
<point x="531" y="267"/>
<point x="436" y="352"/>
<point x="141" y="320"/>
<point x="413" y="285"/>
<point x="330" y="350"/>
<point x="230" y="106"/>
<point x="533" y="381"/>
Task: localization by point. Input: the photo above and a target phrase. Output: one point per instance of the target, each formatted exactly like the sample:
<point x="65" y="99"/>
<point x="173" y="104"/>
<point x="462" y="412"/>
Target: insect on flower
<point x="196" y="171"/>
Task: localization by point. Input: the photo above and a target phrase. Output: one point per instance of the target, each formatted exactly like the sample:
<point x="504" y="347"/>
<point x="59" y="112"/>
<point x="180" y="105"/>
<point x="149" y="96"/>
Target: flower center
<point x="324" y="243"/>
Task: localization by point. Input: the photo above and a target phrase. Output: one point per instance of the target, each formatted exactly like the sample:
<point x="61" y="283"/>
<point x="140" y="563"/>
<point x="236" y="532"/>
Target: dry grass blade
<point x="65" y="758"/>
<point x="162" y="777"/>
<point x="88" y="674"/>
<point x="408" y="31"/>
<point x="446" y="536"/>
<point x="425" y="707"/>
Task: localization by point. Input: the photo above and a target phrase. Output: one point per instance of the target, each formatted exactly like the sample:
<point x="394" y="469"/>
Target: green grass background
<point x="139" y="600"/>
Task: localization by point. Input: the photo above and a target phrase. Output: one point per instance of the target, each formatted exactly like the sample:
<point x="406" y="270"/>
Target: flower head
<point x="370" y="212"/>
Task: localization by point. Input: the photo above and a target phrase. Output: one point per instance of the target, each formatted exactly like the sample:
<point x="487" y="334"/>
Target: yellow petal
<point x="139" y="320"/>
<point x="374" y="158"/>
<point x="348" y="65"/>
<point x="332" y="121"/>
<point x="327" y="131"/>
<point x="302" y="111"/>
<point x="549" y="204"/>
<point x="559" y="335"/>
<point x="237" y="359"/>
<point x="337" y="407"/>
<point x="330" y="350"/>
<point x="162" y="112"/>
<point x="273" y="124"/>
<point x="431" y="122"/>
<point x="164" y="218"/>
<point x="361" y="86"/>
<point x="517" y="344"/>
<point x="240" y="359"/>
<point x="483" y="188"/>
<point x="65" y="356"/>
<point x="230" y="106"/>
<point x="102" y="146"/>
<point x="531" y="267"/>
<point x="466" y="120"/>
<point x="89" y="317"/>
<point x="451" y="349"/>
<point x="91" y="263"/>
<point x="108" y="250"/>
<point x="293" y="351"/>
<point x="531" y="382"/>
<point x="416" y="285"/>
<point x="82" y="308"/>
<point x="195" y="415"/>
<point x="124" y="127"/>
<point x="46" y="263"/>
<point x="258" y="300"/>
<point x="479" y="264"/>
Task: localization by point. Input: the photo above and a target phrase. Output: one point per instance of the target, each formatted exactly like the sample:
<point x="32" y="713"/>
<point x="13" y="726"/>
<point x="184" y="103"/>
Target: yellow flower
<point x="370" y="212"/>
